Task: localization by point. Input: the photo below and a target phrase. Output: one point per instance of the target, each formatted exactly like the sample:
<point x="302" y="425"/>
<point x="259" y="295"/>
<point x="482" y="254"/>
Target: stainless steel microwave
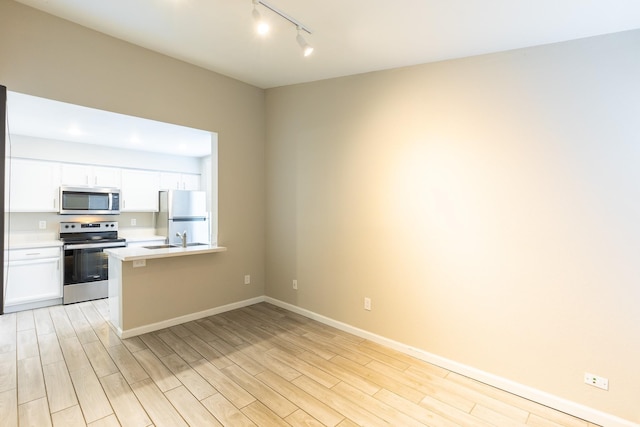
<point x="89" y="201"/>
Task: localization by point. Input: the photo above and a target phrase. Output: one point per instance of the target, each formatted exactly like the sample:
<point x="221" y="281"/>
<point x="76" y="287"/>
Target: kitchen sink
<point x="167" y="246"/>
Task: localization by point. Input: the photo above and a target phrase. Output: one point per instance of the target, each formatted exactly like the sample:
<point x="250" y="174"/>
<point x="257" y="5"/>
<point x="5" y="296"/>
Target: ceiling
<point x="349" y="36"/>
<point x="44" y="118"/>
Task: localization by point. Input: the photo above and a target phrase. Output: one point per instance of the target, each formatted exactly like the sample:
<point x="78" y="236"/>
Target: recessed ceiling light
<point x="74" y="130"/>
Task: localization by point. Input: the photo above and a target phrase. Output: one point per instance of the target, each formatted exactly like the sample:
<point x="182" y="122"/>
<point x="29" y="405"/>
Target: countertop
<point x="138" y="253"/>
<point x="26" y="240"/>
<point x="30" y="244"/>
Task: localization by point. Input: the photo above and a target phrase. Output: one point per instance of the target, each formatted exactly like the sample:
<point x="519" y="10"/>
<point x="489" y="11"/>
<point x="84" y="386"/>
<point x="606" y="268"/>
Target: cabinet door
<point x="139" y="191"/>
<point x="75" y="175"/>
<point x="190" y="181"/>
<point x="33" y="186"/>
<point x="87" y="175"/>
<point x="170" y="181"/>
<point x="33" y="280"/>
<point x="179" y="181"/>
<point x="106" y="177"/>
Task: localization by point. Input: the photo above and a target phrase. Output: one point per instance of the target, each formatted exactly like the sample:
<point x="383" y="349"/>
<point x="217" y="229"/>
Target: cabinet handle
<point x="33" y="253"/>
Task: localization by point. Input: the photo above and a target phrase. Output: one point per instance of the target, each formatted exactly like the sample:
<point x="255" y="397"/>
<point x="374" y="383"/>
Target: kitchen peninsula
<point x="151" y="289"/>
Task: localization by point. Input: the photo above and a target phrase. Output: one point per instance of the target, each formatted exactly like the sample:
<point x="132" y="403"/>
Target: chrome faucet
<point x="183" y="237"/>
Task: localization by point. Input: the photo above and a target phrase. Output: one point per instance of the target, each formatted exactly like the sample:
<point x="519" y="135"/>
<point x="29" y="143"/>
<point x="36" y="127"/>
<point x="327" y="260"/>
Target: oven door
<point x="86" y="271"/>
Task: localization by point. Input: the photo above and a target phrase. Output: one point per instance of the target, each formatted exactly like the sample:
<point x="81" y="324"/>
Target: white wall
<point x="73" y="152"/>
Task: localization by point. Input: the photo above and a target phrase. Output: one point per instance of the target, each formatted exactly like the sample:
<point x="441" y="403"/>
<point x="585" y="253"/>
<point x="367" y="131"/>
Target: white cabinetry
<point x="32" y="185"/>
<point x="139" y="191"/>
<point x="179" y="181"/>
<point x="34" y="278"/>
<point x="190" y="181"/>
<point x="87" y="175"/>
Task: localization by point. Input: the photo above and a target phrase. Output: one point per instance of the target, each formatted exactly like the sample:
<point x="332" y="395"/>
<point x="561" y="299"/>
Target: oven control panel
<point x="83" y="227"/>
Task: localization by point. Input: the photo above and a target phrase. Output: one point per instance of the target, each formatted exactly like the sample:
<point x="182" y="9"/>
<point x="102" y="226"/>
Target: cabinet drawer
<point x="34" y="253"/>
<point x="32" y="280"/>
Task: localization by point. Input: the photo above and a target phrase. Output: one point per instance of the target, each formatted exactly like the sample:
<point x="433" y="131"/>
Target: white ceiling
<point x="349" y="36"/>
<point x="45" y="118"/>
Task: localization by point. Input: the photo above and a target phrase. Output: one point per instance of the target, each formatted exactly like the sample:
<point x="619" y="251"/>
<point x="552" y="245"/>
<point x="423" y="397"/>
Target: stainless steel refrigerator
<point x="183" y="211"/>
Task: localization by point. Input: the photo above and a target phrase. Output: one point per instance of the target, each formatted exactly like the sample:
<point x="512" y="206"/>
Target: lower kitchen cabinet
<point x="33" y="278"/>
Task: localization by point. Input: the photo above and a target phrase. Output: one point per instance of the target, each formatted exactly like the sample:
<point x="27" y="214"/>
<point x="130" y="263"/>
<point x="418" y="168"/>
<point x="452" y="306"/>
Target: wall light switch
<point x="139" y="263"/>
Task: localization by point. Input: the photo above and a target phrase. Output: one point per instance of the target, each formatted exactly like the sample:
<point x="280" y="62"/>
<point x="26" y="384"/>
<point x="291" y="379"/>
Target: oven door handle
<point x="95" y="246"/>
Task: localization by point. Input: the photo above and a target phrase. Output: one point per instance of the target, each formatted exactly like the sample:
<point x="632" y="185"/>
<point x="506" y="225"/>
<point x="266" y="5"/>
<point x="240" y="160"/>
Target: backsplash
<point x="30" y="222"/>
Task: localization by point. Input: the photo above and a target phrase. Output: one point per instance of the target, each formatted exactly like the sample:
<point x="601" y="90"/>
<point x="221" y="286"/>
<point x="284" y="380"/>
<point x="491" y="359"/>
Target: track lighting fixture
<point x="262" y="28"/>
<point x="307" y="49"/>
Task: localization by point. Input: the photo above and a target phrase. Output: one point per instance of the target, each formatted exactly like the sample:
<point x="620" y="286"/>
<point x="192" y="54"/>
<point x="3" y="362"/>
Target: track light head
<point x="262" y="27"/>
<point x="307" y="49"/>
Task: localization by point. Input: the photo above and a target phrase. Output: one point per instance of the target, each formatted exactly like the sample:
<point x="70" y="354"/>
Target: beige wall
<point x="489" y="207"/>
<point x="160" y="292"/>
<point x="45" y="56"/>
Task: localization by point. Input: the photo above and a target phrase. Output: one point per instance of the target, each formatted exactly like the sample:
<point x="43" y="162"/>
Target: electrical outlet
<point x="247" y="279"/>
<point x="367" y="303"/>
<point x="134" y="221"/>
<point x="295" y="284"/>
<point x="139" y="263"/>
<point x="42" y="225"/>
<point x="596" y="381"/>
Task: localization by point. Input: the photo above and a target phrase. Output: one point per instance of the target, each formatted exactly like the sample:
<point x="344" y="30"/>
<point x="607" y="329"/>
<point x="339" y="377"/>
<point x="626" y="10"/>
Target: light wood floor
<point x="260" y="365"/>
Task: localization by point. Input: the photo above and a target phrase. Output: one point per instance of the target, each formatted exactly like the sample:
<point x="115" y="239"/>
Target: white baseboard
<point x="32" y="305"/>
<point x="128" y="333"/>
<point x="544" y="398"/>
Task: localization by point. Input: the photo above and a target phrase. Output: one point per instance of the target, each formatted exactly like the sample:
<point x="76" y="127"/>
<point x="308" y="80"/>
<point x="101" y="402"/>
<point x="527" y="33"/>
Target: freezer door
<point x="187" y="204"/>
<point x="197" y="231"/>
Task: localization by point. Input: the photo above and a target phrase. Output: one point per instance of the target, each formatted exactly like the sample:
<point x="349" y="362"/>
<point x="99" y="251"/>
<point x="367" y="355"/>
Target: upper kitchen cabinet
<point x="91" y="176"/>
<point x="139" y="191"/>
<point x="33" y="185"/>
<point x="179" y="181"/>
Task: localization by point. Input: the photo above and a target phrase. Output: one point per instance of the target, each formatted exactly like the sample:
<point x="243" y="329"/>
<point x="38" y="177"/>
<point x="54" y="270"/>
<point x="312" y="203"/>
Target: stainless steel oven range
<point x="85" y="267"/>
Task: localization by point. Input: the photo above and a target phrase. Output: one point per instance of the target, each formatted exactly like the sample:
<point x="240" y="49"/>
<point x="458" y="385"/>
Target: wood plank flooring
<point x="256" y="366"/>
